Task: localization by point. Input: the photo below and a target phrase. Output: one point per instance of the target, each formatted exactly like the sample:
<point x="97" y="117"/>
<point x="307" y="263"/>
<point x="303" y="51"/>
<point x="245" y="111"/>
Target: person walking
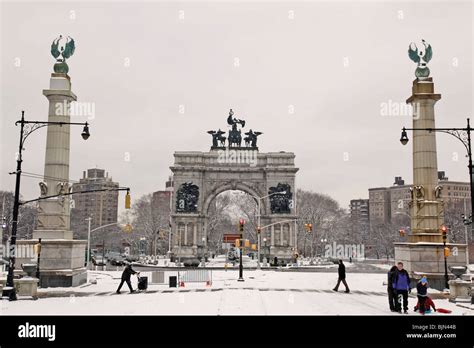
<point x="422" y="294"/>
<point x="401" y="285"/>
<point x="342" y="277"/>
<point x="390" y="291"/>
<point x="126" y="275"/>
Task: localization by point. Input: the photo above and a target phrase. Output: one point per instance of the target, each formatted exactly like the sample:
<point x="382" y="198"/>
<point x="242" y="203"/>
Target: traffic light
<point x="127" y="200"/>
<point x="4" y="222"/>
<point x="446" y="252"/>
<point x="444" y="231"/>
<point x="241" y="225"/>
<point x="37" y="248"/>
<point x="259" y="229"/>
<point x="309" y="227"/>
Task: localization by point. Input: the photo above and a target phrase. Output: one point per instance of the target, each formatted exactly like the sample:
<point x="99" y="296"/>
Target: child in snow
<point x="422" y="293"/>
<point x="428" y="305"/>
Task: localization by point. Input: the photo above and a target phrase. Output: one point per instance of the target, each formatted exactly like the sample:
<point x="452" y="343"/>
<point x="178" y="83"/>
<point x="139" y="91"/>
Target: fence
<point x="155" y="277"/>
<point x="195" y="276"/>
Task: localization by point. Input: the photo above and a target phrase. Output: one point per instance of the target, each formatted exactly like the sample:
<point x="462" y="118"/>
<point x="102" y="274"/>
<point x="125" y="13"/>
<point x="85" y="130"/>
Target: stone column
<point x="272" y="239"/>
<point x="290" y="235"/>
<point x="54" y="213"/>
<point x="185" y="241"/>
<point x="62" y="258"/>
<point x="423" y="253"/>
<point x="426" y="205"/>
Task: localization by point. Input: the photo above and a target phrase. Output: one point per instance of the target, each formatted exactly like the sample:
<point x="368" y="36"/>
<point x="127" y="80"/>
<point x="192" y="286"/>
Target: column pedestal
<point x="423" y="254"/>
<point x="62" y="257"/>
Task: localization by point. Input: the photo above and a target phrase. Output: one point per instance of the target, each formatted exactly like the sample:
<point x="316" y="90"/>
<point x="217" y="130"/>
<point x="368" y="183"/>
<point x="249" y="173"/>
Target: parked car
<point x="132" y="258"/>
<point x="99" y="260"/>
<point x="115" y="259"/>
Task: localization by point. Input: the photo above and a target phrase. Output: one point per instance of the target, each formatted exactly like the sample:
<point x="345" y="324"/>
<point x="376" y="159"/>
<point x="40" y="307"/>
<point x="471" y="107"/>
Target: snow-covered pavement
<point x="262" y="293"/>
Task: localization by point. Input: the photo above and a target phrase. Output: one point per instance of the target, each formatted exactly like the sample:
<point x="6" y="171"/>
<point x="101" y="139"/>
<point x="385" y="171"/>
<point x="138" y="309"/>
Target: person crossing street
<point x="126" y="275"/>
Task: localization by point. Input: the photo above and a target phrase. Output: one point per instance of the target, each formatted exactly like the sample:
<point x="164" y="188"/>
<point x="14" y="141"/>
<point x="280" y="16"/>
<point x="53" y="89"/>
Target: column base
<point x="428" y="259"/>
<point x="62" y="261"/>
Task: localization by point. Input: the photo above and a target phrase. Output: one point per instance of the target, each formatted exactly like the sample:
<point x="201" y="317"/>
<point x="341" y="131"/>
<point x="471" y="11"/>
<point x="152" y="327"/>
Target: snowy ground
<point x="263" y="293"/>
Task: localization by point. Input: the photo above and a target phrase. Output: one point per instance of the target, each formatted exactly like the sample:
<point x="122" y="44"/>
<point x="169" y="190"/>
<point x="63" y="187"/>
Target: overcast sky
<point x="313" y="76"/>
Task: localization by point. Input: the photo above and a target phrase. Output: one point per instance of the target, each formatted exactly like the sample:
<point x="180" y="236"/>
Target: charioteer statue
<point x="235" y="134"/>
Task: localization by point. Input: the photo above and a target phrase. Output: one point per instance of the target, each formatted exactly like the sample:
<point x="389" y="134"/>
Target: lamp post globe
<point x="85" y="132"/>
<point x="404" y="137"/>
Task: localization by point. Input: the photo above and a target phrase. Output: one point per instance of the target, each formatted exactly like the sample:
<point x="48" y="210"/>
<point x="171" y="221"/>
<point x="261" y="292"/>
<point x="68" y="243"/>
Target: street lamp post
<point x="259" y="200"/>
<point x="446" y="278"/>
<point x="38" y="249"/>
<point x="26" y="128"/>
<point x="323" y="240"/>
<point x="241" y="265"/>
<point x="89" y="219"/>
<point x="265" y="249"/>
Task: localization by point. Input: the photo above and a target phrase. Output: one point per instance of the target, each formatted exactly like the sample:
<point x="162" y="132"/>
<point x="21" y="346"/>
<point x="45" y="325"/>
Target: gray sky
<point x="332" y="64"/>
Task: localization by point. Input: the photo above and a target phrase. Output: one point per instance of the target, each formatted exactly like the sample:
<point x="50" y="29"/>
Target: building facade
<point x="360" y="211"/>
<point x="379" y="202"/>
<point x="391" y="204"/>
<point x="101" y="207"/>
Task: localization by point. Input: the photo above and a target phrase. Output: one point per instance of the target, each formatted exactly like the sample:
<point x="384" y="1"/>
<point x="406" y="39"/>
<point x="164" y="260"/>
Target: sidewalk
<point x="262" y="293"/>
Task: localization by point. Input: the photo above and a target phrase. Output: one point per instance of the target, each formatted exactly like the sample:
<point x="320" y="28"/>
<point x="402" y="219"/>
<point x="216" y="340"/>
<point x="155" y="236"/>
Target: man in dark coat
<point x="391" y="293"/>
<point x="126" y="274"/>
<point x="401" y="285"/>
<point x="342" y="277"/>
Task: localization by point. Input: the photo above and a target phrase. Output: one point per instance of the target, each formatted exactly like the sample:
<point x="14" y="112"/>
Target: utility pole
<point x="89" y="219"/>
<point x="4" y="220"/>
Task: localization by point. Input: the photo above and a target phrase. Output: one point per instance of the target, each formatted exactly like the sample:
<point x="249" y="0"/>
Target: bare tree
<point x="453" y="211"/>
<point x="147" y="223"/>
<point x="327" y="218"/>
<point x="218" y="221"/>
<point x="27" y="217"/>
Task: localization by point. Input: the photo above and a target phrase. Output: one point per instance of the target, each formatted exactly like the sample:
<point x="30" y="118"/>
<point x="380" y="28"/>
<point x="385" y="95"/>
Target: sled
<point x="442" y="310"/>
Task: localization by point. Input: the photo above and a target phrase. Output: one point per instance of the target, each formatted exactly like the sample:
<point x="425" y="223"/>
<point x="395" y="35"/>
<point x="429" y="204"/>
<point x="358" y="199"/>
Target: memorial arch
<point x="200" y="176"/>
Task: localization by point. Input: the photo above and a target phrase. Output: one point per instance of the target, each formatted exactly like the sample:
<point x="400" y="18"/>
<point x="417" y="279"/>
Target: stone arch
<point x="233" y="186"/>
<point x="200" y="176"/>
